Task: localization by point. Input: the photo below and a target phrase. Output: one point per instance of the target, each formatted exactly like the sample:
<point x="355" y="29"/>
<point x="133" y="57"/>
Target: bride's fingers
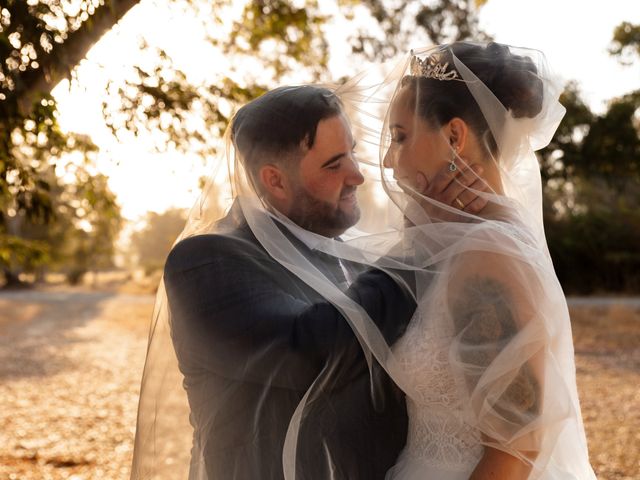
<point x="453" y="188"/>
<point x="476" y="205"/>
<point x="440" y="182"/>
<point x="470" y="192"/>
<point x="457" y="186"/>
<point x="469" y="175"/>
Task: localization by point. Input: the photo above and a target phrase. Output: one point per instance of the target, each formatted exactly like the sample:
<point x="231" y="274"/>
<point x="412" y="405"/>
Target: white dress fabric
<point x="440" y="444"/>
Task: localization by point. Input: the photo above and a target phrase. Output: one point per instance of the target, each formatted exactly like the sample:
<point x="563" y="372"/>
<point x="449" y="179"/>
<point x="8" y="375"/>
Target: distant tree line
<point x="591" y="172"/>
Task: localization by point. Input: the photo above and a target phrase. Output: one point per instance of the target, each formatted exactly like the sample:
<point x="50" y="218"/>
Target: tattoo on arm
<point x="485" y="318"/>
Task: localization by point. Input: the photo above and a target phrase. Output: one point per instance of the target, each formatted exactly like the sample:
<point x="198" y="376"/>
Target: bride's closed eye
<point x="397" y="136"/>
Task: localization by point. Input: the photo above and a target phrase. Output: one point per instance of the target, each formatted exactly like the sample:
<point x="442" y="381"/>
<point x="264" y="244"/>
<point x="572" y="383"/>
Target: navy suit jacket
<point x="251" y="338"/>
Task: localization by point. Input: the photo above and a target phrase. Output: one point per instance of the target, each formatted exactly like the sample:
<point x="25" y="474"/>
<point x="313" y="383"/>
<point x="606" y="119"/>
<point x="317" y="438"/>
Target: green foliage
<point x="270" y="43"/>
<point x="182" y="115"/>
<point x="626" y="42"/>
<point x="564" y="151"/>
<point x="39" y="221"/>
<point x="20" y="254"/>
<point x="611" y="150"/>
<point x="83" y="231"/>
<point x="592" y="189"/>
<point x="282" y="35"/>
<point x="30" y="147"/>
<point x="274" y="37"/>
<point x="449" y="21"/>
<point x="596" y="250"/>
<point x="600" y="149"/>
<point x="398" y="26"/>
<point x="42" y="41"/>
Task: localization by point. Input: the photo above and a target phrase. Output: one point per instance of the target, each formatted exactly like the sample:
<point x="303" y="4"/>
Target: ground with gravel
<point x="71" y="360"/>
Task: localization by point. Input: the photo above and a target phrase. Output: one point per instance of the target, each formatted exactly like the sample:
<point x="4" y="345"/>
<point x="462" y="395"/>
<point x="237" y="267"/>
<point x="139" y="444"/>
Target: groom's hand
<point x="457" y="189"/>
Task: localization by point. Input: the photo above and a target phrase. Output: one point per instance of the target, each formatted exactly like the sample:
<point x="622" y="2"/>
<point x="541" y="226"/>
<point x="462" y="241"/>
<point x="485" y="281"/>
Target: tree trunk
<point x="12" y="280"/>
<point x="58" y="64"/>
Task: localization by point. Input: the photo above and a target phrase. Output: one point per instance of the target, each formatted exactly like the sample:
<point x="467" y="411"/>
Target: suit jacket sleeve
<point x="234" y="312"/>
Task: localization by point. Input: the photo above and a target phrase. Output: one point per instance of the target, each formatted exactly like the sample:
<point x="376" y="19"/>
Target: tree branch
<point x="58" y="64"/>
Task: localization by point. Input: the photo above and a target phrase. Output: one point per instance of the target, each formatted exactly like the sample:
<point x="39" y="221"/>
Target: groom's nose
<point x="354" y="175"/>
<point x="355" y="178"/>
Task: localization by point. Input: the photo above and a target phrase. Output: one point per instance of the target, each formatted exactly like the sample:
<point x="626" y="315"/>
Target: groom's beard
<point x="323" y="217"/>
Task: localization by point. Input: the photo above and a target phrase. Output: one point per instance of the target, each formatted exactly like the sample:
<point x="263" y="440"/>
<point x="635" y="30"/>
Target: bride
<point x="487" y="360"/>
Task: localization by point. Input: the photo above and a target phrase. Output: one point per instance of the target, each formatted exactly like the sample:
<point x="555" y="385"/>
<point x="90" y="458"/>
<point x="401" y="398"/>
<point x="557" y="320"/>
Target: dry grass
<point x="71" y="360"/>
<point x="607" y="344"/>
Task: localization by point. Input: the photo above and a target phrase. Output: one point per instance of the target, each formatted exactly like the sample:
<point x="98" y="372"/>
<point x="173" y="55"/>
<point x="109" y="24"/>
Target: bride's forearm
<point x="498" y="465"/>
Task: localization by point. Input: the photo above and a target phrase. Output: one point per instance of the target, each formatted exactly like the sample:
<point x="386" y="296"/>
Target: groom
<point x="251" y="337"/>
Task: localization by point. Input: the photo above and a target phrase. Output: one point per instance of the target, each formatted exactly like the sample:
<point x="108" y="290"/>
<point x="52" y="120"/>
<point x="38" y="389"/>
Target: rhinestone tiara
<point x="431" y="68"/>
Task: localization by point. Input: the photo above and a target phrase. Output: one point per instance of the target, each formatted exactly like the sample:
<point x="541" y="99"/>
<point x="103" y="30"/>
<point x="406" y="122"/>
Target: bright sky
<point x="574" y="34"/>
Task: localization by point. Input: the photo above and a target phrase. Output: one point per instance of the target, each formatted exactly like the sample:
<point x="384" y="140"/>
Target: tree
<point x="90" y="208"/>
<point x="396" y="27"/>
<point x="152" y="243"/>
<point x="86" y="224"/>
<point x="592" y="170"/>
<point x="40" y="43"/>
<point x="626" y="42"/>
<point x="611" y="150"/>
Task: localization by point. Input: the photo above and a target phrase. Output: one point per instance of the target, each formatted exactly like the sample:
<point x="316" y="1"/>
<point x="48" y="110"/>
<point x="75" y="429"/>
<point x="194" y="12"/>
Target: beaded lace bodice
<point x="438" y="435"/>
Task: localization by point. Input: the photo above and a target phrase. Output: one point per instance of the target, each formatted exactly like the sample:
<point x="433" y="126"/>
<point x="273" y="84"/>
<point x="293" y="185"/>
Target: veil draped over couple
<point x="431" y="341"/>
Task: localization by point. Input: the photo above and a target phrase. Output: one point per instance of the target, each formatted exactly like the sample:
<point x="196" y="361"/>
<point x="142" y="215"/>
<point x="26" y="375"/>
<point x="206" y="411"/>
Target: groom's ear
<point x="275" y="182"/>
<point x="458" y="131"/>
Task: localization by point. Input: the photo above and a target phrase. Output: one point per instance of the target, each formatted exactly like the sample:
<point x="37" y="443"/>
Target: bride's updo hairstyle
<point x="513" y="79"/>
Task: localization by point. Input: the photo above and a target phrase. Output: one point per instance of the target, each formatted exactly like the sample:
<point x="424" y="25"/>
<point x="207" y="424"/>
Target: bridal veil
<point x="517" y="384"/>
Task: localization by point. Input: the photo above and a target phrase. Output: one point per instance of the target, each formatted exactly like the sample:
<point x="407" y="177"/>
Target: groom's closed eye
<point x="334" y="162"/>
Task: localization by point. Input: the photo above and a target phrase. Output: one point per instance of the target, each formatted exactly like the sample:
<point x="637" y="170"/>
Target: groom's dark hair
<point x="281" y="124"/>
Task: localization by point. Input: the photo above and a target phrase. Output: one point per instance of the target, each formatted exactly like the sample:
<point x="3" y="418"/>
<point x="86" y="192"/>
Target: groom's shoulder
<point x="199" y="250"/>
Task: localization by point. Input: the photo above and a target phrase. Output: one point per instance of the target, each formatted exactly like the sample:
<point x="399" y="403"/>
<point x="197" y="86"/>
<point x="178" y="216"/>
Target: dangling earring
<point x="452" y="165"/>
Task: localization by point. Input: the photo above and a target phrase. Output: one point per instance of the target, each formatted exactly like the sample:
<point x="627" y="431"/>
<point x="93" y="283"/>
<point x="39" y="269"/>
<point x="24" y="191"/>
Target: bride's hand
<point x="456" y="189"/>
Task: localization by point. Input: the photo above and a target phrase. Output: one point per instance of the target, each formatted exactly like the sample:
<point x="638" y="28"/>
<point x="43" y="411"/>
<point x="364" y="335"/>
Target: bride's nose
<point x="388" y="160"/>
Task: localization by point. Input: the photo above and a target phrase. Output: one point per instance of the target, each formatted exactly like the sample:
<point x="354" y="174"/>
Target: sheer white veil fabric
<point x="446" y="258"/>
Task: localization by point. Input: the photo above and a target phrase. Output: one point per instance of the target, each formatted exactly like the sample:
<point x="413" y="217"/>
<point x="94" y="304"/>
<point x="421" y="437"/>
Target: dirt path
<point x="71" y="361"/>
<point x="70" y="367"/>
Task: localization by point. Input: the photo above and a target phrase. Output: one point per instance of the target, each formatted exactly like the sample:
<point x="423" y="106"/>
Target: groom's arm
<point x="232" y="315"/>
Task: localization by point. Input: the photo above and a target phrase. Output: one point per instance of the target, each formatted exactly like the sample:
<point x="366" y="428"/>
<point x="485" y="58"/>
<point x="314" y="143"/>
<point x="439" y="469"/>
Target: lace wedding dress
<point x="440" y="444"/>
